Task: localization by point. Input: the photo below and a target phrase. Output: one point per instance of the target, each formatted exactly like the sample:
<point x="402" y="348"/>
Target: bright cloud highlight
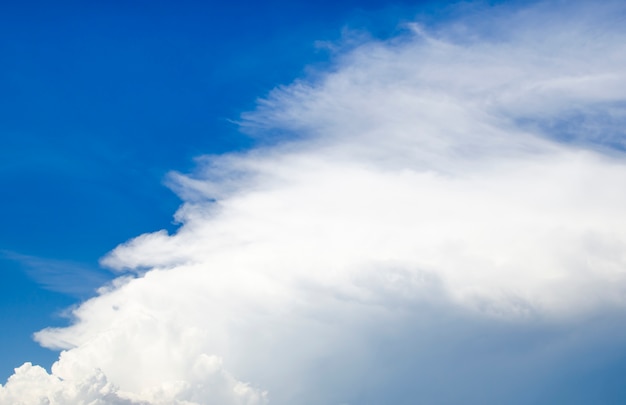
<point x="448" y="214"/>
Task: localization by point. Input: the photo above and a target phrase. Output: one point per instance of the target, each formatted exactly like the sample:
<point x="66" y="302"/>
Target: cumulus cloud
<point x="33" y="385"/>
<point x="446" y="212"/>
<point x="206" y="382"/>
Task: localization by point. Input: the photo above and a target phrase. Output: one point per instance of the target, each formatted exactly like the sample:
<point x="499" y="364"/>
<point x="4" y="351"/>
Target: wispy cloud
<point x="435" y="224"/>
<point x="64" y="276"/>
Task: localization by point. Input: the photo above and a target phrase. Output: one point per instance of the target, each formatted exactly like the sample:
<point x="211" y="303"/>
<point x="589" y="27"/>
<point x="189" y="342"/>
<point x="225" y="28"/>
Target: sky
<point x="313" y="203"/>
<point x="100" y="101"/>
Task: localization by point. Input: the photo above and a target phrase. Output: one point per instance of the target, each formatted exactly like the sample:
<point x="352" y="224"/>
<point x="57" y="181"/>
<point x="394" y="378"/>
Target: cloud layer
<point x="444" y="223"/>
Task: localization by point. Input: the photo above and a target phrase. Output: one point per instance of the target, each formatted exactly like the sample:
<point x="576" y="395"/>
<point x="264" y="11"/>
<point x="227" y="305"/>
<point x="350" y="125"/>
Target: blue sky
<point x="440" y="217"/>
<point x="101" y="100"/>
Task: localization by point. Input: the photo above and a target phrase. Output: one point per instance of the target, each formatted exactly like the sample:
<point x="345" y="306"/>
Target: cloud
<point x="62" y="276"/>
<point x="34" y="385"/>
<point x="433" y="223"/>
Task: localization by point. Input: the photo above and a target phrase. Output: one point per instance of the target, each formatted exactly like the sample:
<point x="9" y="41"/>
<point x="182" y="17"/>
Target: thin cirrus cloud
<point x="436" y="230"/>
<point x="62" y="276"/>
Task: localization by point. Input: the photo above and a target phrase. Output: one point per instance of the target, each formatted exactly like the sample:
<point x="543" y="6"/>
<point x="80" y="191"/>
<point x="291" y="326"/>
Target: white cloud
<point x="59" y="275"/>
<point x="434" y="224"/>
<point x="204" y="381"/>
<point x="33" y="385"/>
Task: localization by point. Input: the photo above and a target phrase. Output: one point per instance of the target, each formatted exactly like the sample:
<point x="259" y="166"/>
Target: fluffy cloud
<point x="447" y="212"/>
<point x="205" y="381"/>
<point x="33" y="385"/>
